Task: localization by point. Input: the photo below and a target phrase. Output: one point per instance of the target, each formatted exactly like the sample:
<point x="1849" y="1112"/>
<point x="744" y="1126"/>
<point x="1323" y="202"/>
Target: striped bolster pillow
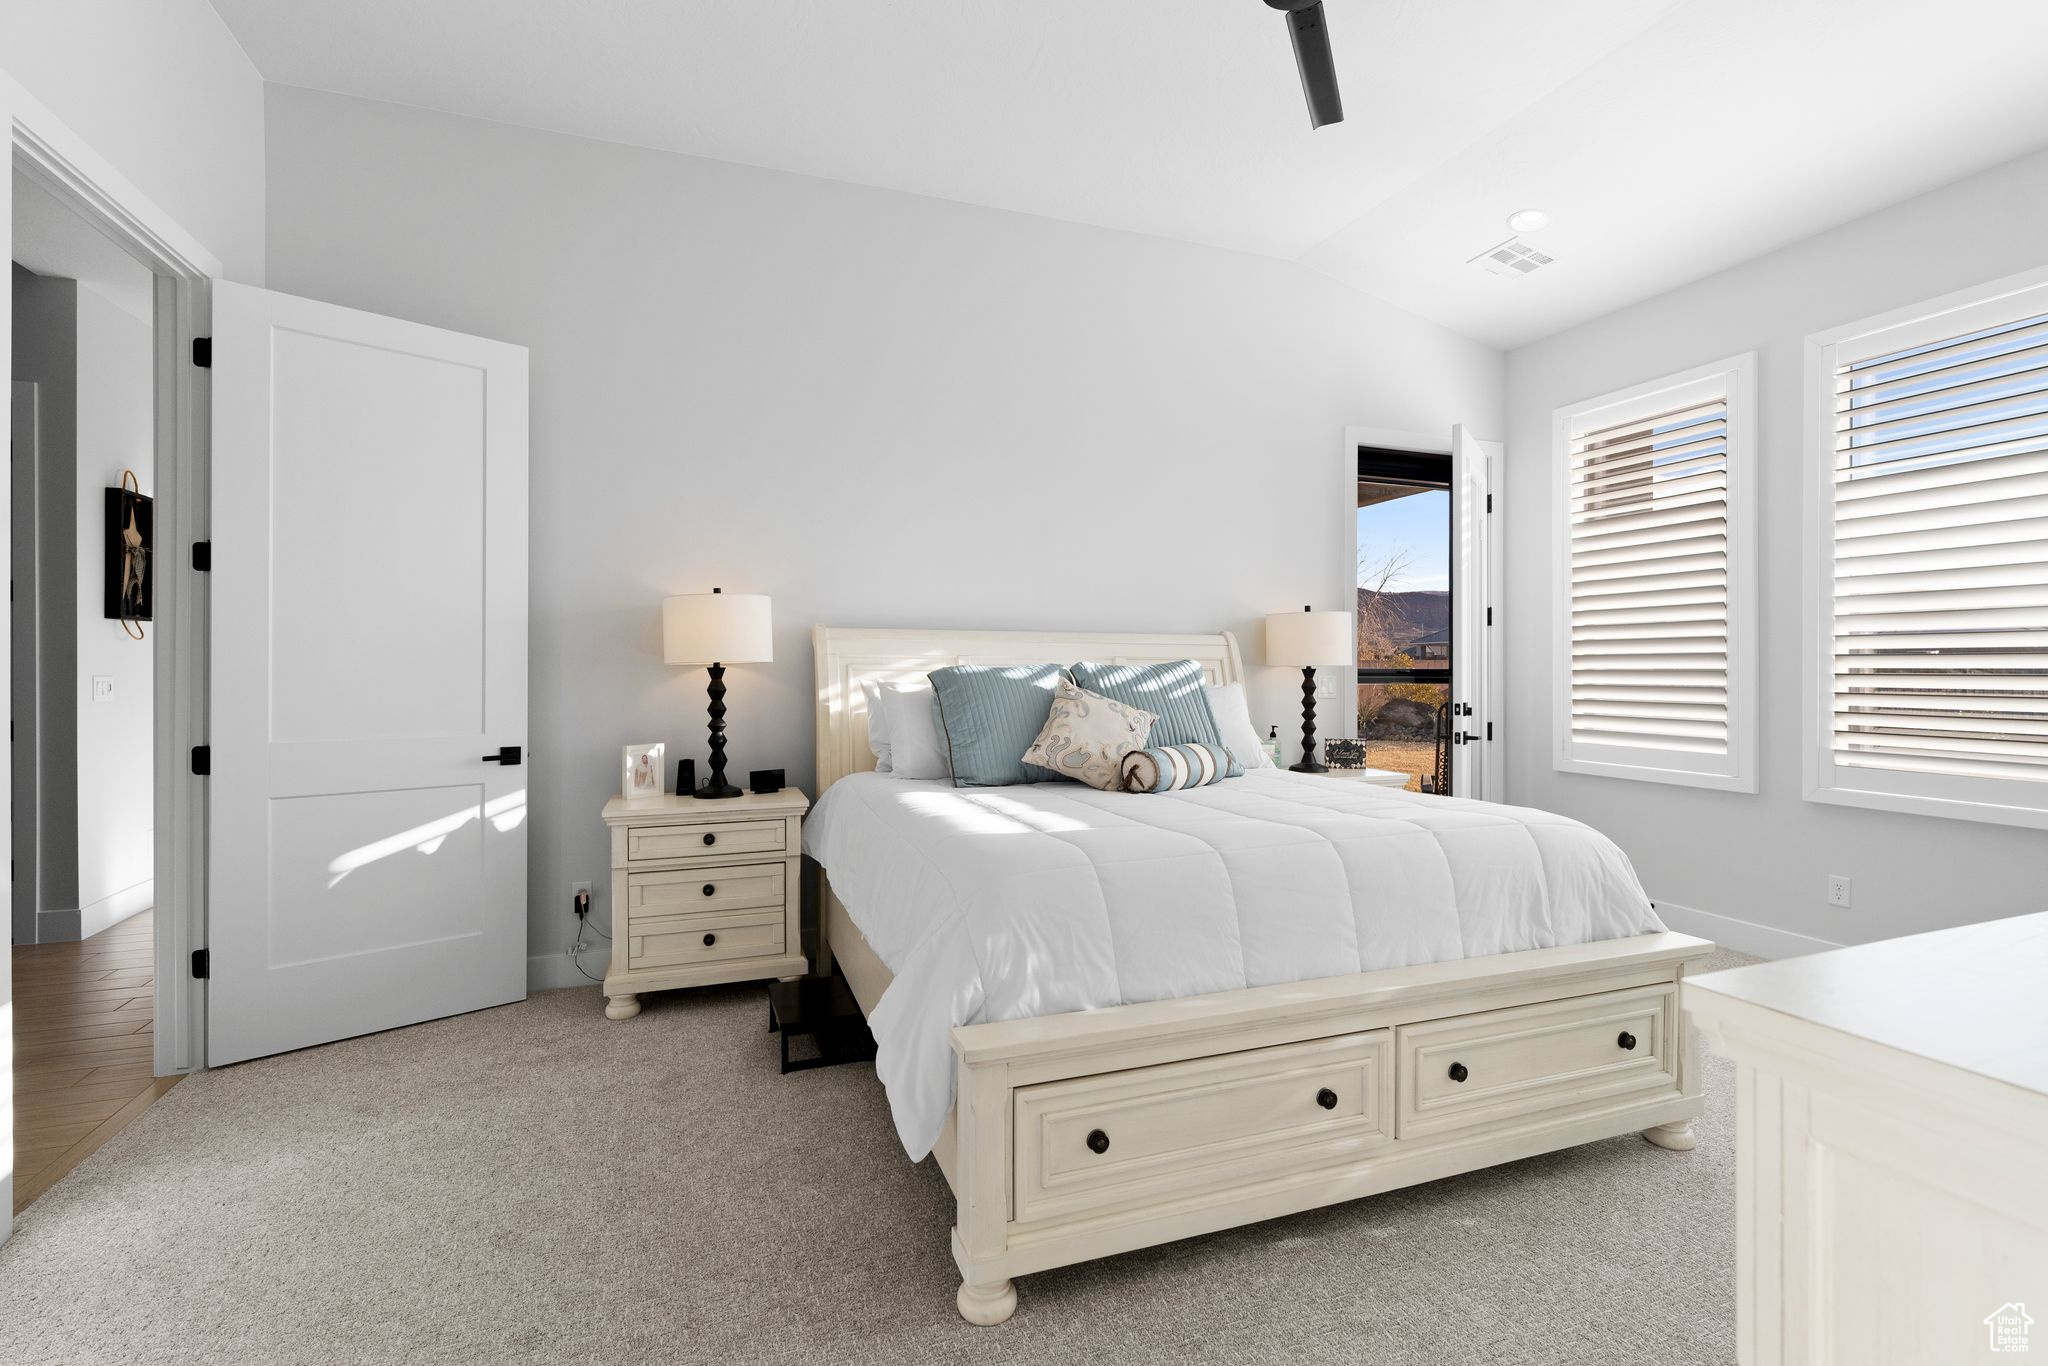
<point x="1172" y="767"/>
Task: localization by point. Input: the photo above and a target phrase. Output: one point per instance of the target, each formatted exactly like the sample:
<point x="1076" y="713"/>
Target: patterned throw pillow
<point x="1087" y="735"/>
<point x="1173" y="767"/>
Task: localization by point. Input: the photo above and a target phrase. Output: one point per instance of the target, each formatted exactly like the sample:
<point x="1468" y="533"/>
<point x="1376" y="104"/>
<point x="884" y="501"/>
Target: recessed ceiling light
<point x="1528" y="220"/>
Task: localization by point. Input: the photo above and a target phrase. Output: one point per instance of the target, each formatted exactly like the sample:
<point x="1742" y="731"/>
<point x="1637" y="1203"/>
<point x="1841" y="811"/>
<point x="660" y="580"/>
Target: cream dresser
<point x="1891" y="1147"/>
<point x="703" y="891"/>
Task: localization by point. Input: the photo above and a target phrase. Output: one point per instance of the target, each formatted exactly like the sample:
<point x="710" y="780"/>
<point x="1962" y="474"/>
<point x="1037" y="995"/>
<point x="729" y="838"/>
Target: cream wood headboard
<point x="845" y="656"/>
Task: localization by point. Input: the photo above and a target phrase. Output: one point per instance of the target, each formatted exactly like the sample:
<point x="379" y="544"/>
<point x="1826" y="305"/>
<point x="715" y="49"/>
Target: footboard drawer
<point x="1550" y="1058"/>
<point x="1123" y="1138"/>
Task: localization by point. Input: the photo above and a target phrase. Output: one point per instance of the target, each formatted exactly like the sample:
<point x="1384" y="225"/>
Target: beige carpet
<point x="536" y="1183"/>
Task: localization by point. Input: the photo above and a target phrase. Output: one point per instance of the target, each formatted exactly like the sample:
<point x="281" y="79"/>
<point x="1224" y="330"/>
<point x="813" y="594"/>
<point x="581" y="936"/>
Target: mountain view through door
<point x="1404" y="613"/>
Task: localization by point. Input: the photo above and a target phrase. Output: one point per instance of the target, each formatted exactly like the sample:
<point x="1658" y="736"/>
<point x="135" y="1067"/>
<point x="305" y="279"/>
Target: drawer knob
<point x="709" y="889"/>
<point x="1627" y="1040"/>
<point x="1458" y="1072"/>
<point x="711" y="839"/>
<point x="1098" y="1141"/>
<point x="709" y="940"/>
<point x="1327" y="1098"/>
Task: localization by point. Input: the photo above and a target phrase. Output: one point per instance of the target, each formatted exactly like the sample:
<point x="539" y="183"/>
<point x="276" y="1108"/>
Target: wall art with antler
<point x="131" y="538"/>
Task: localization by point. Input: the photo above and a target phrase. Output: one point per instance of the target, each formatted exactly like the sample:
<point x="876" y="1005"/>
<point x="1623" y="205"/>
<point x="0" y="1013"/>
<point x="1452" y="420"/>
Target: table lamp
<point x="1303" y="640"/>
<point x="716" y="629"/>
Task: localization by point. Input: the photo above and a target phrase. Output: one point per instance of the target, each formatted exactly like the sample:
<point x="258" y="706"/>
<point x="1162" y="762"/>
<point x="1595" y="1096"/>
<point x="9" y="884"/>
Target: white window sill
<point x="1645" y="773"/>
<point x="1992" y="813"/>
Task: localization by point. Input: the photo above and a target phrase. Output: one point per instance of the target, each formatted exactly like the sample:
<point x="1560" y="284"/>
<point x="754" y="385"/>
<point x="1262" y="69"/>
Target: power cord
<point x="577" y="946"/>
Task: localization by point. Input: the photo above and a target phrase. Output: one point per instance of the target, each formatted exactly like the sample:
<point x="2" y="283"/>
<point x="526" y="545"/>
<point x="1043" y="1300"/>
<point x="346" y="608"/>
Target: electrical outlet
<point x="1838" y="890"/>
<point x="1325" y="690"/>
<point x="102" y="688"/>
<point x="577" y="889"/>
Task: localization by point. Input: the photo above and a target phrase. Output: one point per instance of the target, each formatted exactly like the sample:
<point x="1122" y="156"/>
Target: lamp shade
<point x="1306" y="639"/>
<point x="717" y="628"/>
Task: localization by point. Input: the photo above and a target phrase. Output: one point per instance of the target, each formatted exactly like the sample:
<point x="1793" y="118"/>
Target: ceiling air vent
<point x="1512" y="258"/>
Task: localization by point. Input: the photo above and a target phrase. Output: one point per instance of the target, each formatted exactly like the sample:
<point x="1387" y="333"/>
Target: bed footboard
<point x="1084" y="1135"/>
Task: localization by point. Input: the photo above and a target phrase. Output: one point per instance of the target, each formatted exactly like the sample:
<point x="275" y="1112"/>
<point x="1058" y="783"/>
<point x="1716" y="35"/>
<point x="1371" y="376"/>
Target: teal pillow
<point x="1172" y="692"/>
<point x="991" y="715"/>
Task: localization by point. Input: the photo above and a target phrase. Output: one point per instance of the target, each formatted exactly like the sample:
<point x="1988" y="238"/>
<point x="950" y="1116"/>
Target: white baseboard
<point x="69" y="924"/>
<point x="552" y="971"/>
<point x="1744" y="936"/>
<point x="110" y="911"/>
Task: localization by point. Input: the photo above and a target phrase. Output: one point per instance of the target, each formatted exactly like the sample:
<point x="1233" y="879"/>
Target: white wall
<point x="116" y="806"/>
<point x="1765" y="858"/>
<point x="93" y="805"/>
<point x="879" y="408"/>
<point x="162" y="90"/>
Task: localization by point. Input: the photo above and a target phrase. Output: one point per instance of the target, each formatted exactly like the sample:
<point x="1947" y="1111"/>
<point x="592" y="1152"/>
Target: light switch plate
<point x="102" y="687"/>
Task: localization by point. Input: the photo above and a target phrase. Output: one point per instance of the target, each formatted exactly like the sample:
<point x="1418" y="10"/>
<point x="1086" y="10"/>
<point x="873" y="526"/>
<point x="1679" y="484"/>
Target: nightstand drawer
<point x="702" y="839"/>
<point x="680" y="941"/>
<point x="683" y="891"/>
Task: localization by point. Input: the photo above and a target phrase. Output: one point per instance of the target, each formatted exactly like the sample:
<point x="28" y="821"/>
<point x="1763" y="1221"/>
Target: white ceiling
<point x="51" y="240"/>
<point x="1666" y="138"/>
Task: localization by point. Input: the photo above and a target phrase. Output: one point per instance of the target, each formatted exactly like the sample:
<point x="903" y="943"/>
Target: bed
<point x="1105" y="1047"/>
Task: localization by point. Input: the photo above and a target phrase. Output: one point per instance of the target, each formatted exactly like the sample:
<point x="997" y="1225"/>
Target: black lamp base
<point x="715" y="787"/>
<point x="1308" y="762"/>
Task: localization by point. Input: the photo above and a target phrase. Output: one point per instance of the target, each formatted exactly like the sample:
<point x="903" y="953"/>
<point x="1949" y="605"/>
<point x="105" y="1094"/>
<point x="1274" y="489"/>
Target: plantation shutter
<point x="1647" y="508"/>
<point x="1940" y="584"/>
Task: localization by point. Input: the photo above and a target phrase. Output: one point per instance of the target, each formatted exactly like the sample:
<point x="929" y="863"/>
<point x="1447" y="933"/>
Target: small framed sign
<point x="641" y="771"/>
<point x="1341" y="753"/>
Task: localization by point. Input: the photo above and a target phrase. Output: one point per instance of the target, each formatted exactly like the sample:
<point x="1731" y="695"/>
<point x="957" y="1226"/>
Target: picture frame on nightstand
<point x="641" y="770"/>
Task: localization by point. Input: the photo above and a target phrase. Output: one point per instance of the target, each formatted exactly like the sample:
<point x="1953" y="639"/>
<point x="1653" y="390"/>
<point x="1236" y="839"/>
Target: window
<point x="1655" y="616"/>
<point x="1928" y="621"/>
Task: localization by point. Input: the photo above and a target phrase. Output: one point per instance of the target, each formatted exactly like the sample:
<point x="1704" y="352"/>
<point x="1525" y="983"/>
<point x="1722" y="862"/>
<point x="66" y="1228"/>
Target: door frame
<point x="1428" y="443"/>
<point x="56" y="158"/>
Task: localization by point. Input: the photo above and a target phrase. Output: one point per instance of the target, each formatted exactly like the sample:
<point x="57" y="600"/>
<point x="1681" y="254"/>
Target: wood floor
<point x="83" y="1035"/>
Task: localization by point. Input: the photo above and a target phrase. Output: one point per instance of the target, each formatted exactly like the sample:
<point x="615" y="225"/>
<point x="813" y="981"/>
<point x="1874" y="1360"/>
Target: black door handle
<point x="508" y="755"/>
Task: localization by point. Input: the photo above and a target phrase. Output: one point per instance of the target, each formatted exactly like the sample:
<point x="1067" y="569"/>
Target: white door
<point x="1475" y="768"/>
<point x="367" y="850"/>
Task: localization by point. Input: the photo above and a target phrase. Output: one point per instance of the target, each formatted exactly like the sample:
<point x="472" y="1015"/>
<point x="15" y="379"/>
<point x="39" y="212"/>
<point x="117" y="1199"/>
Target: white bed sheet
<point x="1009" y="902"/>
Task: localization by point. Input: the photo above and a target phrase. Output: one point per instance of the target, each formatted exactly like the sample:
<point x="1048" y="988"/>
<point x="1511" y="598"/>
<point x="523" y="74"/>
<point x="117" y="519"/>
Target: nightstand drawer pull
<point x="1327" y="1098"/>
<point x="710" y="890"/>
<point x="1458" y="1072"/>
<point x="1627" y="1040"/>
<point x="709" y="940"/>
<point x="1098" y="1141"/>
<point x="710" y="838"/>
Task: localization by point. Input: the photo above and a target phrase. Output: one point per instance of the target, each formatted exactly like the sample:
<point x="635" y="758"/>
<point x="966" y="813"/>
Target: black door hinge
<point x="202" y="963"/>
<point x="1489" y="502"/>
<point x="1489" y="730"/>
<point x="202" y="352"/>
<point x="1489" y="616"/>
<point x="202" y="556"/>
<point x="202" y="760"/>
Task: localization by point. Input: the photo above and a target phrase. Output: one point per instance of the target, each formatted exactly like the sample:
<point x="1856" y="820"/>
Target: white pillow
<point x="917" y="744"/>
<point x="1234" y="724"/>
<point x="878" y="725"/>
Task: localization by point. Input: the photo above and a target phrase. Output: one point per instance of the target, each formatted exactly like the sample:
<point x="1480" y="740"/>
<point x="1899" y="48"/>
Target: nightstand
<point x="703" y="892"/>
<point x="1378" y="777"/>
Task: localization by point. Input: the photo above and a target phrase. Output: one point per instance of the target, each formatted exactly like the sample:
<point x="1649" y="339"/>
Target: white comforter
<point x="1001" y="903"/>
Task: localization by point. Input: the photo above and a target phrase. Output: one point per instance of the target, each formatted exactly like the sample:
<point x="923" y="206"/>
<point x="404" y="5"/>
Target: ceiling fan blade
<point x="1318" y="71"/>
